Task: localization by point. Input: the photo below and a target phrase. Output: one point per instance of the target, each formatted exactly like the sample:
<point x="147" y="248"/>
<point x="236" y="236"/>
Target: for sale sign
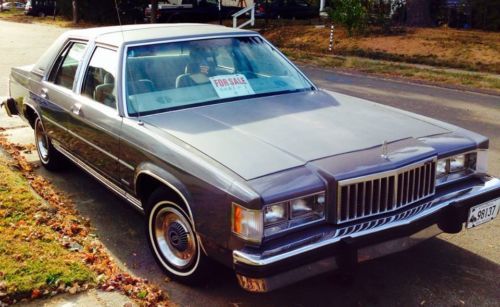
<point x="228" y="86"/>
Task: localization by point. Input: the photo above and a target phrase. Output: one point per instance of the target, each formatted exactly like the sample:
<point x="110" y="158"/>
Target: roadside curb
<point x="88" y="298"/>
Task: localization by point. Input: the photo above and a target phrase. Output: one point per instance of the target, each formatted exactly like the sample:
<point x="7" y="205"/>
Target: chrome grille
<point x="384" y="192"/>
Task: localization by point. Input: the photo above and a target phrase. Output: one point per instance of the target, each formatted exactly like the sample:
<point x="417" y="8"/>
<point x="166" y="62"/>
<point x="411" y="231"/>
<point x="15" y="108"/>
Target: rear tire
<point x="50" y="158"/>
<point x="172" y="240"/>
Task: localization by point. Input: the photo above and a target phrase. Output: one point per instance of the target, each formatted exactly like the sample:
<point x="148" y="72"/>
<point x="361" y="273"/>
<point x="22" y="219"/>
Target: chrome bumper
<point x="378" y="237"/>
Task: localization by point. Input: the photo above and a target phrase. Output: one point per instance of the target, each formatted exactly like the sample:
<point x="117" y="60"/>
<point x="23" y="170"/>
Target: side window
<point x="64" y="71"/>
<point x="99" y="82"/>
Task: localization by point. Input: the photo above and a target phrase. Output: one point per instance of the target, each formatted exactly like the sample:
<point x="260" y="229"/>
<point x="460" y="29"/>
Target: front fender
<point x="160" y="174"/>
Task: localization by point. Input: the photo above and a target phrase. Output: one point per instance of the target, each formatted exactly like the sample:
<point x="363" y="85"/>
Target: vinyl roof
<point x="116" y="35"/>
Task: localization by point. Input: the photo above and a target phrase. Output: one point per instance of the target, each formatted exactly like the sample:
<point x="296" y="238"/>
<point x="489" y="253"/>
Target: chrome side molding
<point x="110" y="185"/>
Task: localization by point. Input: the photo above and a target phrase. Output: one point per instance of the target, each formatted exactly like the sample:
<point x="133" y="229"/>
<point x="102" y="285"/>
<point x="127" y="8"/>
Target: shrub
<point x="349" y="13"/>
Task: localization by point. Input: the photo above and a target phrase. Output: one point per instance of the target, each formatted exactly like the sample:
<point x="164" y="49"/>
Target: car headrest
<point x="109" y="79"/>
<point x="192" y="68"/>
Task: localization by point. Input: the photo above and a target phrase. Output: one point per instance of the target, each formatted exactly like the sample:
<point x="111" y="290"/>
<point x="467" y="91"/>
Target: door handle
<point x="44" y="92"/>
<point x="76" y="108"/>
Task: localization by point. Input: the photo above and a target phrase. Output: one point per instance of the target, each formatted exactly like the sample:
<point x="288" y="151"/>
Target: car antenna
<point x="140" y="122"/>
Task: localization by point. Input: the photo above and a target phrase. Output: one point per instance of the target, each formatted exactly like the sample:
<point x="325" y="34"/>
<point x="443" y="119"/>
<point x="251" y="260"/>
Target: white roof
<point x="116" y="35"/>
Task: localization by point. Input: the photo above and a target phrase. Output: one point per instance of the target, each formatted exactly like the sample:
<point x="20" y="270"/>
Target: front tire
<point x="172" y="240"/>
<point x="49" y="157"/>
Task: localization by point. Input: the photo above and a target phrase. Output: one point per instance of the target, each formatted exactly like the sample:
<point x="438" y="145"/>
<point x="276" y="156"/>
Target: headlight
<point x="457" y="163"/>
<point x="289" y="214"/>
<point x="308" y="205"/>
<point x="275" y="213"/>
<point x="441" y="167"/>
<point x="459" y="166"/>
<point x="247" y="224"/>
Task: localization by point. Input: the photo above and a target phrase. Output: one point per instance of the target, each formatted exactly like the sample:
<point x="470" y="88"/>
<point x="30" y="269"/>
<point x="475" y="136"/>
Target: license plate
<point x="483" y="213"/>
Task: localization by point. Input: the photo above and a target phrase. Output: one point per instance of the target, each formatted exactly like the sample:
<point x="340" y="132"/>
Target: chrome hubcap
<point x="175" y="237"/>
<point x="42" y="142"/>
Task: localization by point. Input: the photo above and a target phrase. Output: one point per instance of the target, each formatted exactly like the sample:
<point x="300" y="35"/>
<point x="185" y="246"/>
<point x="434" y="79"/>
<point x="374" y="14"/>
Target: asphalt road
<point x="456" y="270"/>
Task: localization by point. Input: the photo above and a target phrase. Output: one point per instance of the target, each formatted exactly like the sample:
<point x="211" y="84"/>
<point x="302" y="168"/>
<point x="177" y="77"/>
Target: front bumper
<point x="327" y="248"/>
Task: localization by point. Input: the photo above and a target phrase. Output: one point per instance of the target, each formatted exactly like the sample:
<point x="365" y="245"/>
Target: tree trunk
<point x="154" y="10"/>
<point x="1" y="5"/>
<point x="75" y="12"/>
<point x="418" y="13"/>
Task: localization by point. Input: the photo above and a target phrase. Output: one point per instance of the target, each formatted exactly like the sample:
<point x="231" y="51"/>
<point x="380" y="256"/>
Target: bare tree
<point x="75" y="11"/>
<point x="154" y="10"/>
<point x="418" y="13"/>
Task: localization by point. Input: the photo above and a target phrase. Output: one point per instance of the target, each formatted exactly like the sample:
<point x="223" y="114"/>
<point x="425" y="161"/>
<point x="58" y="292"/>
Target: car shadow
<point x="435" y="272"/>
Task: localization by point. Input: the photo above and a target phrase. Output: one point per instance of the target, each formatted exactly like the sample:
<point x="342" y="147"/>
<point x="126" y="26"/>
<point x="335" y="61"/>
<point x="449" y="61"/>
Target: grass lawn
<point x="443" y="47"/>
<point x="46" y="247"/>
<point x="32" y="258"/>
<point x="434" y="75"/>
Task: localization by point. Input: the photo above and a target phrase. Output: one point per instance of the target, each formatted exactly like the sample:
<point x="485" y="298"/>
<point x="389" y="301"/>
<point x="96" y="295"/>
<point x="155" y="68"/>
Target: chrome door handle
<point x="76" y="108"/>
<point x="44" y="92"/>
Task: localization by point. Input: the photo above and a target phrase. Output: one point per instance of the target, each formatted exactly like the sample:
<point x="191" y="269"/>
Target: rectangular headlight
<point x="456" y="167"/>
<point x="441" y="168"/>
<point x="275" y="213"/>
<point x="457" y="163"/>
<point x="247" y="224"/>
<point x="293" y="213"/>
<point x="307" y="205"/>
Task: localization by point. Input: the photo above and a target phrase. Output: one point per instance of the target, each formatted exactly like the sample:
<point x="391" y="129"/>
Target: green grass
<point x="31" y="256"/>
<point x="400" y="70"/>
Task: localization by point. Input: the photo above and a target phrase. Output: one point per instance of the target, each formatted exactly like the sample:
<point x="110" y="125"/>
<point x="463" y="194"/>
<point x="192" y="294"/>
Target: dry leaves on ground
<point x="73" y="230"/>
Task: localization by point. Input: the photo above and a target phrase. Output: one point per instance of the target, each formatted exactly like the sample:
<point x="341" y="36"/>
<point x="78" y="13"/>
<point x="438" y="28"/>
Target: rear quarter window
<point x="64" y="71"/>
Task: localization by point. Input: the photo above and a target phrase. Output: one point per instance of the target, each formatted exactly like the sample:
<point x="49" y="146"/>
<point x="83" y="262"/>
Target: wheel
<point x="173" y="241"/>
<point x="50" y="158"/>
<point x="41" y="14"/>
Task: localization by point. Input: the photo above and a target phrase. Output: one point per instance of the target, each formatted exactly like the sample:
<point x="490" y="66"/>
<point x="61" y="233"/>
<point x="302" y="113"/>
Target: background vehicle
<point x="189" y="11"/>
<point x="131" y="12"/>
<point x="13" y="5"/>
<point x="288" y="9"/>
<point x="40" y="8"/>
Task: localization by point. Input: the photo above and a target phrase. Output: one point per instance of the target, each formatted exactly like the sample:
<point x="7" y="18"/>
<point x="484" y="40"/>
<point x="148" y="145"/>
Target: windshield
<point x="177" y="75"/>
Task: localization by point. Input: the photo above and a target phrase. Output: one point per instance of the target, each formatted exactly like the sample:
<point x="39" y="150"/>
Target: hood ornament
<point x="385" y="151"/>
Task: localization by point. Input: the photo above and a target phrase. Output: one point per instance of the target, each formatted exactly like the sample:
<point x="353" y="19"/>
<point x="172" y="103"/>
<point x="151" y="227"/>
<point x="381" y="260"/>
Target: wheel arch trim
<point x="152" y="174"/>
<point x="25" y="108"/>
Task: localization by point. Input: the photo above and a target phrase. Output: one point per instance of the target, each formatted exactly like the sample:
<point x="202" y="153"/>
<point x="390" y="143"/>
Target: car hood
<point x="260" y="136"/>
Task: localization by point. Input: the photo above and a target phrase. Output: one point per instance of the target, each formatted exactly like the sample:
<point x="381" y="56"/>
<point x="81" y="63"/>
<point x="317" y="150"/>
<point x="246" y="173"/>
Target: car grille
<point x="384" y="192"/>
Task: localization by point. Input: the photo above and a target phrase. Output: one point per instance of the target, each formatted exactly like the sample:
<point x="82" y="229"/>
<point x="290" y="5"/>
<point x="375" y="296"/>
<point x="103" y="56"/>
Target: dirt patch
<point x="471" y="50"/>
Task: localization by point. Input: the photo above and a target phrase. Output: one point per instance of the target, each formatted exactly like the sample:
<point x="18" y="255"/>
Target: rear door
<point x="56" y="96"/>
<point x="95" y="120"/>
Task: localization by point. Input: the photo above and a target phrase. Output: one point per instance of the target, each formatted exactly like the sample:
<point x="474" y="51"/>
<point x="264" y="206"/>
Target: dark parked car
<point x="131" y="12"/>
<point x="190" y="11"/>
<point x="233" y="155"/>
<point x="289" y="9"/>
<point x="40" y="8"/>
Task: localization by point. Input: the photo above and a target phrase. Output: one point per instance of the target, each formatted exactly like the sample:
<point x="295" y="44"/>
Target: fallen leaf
<point x="36" y="293"/>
